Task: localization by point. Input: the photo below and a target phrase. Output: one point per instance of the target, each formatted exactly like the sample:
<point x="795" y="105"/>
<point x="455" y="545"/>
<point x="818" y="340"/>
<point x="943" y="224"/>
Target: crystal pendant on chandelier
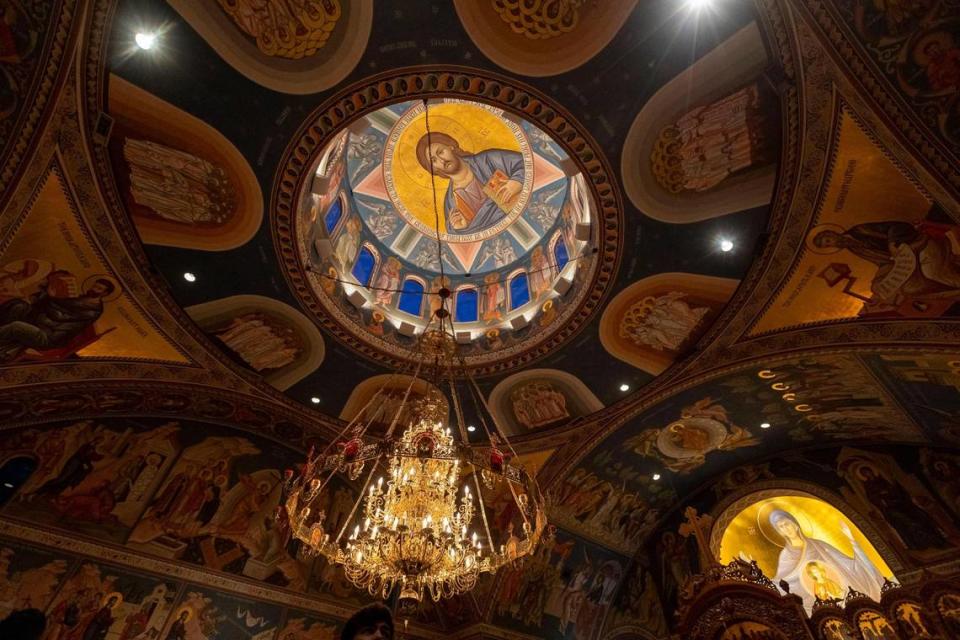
<point x="421" y="522"/>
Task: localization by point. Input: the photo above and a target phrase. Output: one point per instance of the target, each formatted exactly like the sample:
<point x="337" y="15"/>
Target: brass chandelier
<point x="421" y="521"/>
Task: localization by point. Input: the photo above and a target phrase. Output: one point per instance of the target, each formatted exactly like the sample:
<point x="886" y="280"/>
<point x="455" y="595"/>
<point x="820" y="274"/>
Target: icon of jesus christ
<point x="483" y="186"/>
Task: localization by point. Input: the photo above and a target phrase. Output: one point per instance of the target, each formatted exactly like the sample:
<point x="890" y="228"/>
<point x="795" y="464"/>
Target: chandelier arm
<point x="356" y="504"/>
<point x="483" y="510"/>
<point x="493" y="420"/>
<point x="406" y="394"/>
<point x="355" y="418"/>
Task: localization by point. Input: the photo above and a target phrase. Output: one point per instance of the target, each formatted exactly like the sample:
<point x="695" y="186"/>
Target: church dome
<point x="505" y="223"/>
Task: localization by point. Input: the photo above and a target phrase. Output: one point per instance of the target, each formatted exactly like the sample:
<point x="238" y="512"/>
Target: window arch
<point x="333" y="216"/>
<point x="13" y="474"/>
<point x="561" y="253"/>
<point x="411" y="296"/>
<point x="519" y="289"/>
<point x="365" y="265"/>
<point x="467" y="305"/>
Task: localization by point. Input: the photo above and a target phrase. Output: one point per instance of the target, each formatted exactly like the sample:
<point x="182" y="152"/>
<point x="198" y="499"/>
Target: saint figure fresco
<point x="808" y="545"/>
<point x="483" y="186"/>
<point x="711" y="142"/>
<point x="814" y="568"/>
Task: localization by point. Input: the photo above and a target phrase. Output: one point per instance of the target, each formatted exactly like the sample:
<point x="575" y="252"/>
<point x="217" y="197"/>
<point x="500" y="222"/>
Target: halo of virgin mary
<point x="799" y="552"/>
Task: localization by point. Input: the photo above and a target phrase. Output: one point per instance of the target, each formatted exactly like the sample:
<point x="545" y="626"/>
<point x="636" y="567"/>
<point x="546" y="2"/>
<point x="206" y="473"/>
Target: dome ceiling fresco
<point x="697" y="259"/>
<point x="511" y="228"/>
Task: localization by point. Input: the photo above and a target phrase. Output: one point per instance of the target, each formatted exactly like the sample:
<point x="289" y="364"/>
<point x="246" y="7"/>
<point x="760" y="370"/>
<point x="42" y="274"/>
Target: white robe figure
<point x="799" y="552"/>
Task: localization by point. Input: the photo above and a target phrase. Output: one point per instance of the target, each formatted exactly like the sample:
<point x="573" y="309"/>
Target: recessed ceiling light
<point x="145" y="40"/>
<point x="189" y="277"/>
<point x="624" y="387"/>
<point x="471" y="428"/>
<point x="8" y="485"/>
<point x="764" y="425"/>
<point x="726" y="245"/>
<point x="656" y="476"/>
<point x="315" y="400"/>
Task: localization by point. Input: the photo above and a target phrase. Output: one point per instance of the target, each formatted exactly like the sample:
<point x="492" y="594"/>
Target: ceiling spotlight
<point x="656" y="476"/>
<point x="315" y="400"/>
<point x="764" y="425"/>
<point x="697" y="5"/>
<point x="145" y="40"/>
<point x="189" y="277"/>
<point x="624" y="387"/>
<point x="726" y="245"/>
<point x="471" y="428"/>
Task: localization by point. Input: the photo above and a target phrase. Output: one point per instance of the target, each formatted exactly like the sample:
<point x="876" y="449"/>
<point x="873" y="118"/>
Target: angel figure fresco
<point x="500" y="250"/>
<point x="682" y="445"/>
<point x="662" y="323"/>
<point x="813" y="568"/>
<point x="482" y="187"/>
<point x="366" y="150"/>
<point x="540" y="208"/>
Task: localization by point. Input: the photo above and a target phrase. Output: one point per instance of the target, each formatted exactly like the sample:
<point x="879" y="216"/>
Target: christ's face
<point x="444" y="159"/>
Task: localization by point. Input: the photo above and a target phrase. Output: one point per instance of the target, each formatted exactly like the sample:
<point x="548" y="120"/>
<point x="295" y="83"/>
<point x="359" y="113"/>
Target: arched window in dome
<point x="333" y="216"/>
<point x="467" y="308"/>
<point x="365" y="265"/>
<point x="411" y="297"/>
<point x="13" y="474"/>
<point x="561" y="256"/>
<point x="519" y="289"/>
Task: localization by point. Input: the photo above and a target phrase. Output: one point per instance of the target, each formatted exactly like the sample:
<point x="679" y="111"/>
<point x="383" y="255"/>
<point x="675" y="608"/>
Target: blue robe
<point x="484" y="165"/>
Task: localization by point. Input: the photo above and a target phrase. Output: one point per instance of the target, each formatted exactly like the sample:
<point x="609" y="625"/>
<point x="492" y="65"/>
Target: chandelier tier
<point x="421" y="522"/>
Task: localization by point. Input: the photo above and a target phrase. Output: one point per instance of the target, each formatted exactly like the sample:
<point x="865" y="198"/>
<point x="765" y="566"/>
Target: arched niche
<point x="734" y="64"/>
<point x="380" y="411"/>
<point x="223" y="319"/>
<point x="539" y="398"/>
<point x="307" y="74"/>
<point x="657" y="319"/>
<point x="747" y="527"/>
<point x="148" y="127"/>
<point x="535" y="44"/>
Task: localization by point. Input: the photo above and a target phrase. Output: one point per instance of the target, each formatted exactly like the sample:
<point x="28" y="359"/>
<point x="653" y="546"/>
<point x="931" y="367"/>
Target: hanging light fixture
<point x="420" y="522"/>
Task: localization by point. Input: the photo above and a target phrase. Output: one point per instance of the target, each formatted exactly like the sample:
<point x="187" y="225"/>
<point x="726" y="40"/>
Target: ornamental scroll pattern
<point x="540" y="19"/>
<point x="291" y="29"/>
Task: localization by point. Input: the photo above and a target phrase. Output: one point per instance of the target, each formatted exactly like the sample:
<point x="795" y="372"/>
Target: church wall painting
<point x="377" y="400"/>
<point x="563" y="591"/>
<point x="184" y="184"/>
<point x="202" y="614"/>
<point x="301" y="625"/>
<point x="878" y="246"/>
<point x="808" y="543"/>
<point x="296" y="48"/>
<point x="29" y="577"/>
<point x="541" y="38"/>
<point x="898" y="504"/>
<point x="637" y="604"/>
<point x="916" y="48"/>
<point x="539" y="398"/>
<point x="94" y="477"/>
<point x="266" y="335"/>
<point x="658" y="319"/>
<point x="198" y="493"/>
<point x="52" y="269"/>
<point x="710" y="110"/>
<point x="927" y="385"/>
<point x="100" y="601"/>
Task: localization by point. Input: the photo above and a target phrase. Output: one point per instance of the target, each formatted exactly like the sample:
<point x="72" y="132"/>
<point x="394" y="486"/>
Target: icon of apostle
<point x="483" y="186"/>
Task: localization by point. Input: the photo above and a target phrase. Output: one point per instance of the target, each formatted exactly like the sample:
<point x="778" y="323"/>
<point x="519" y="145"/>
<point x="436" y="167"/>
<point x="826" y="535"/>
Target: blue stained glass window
<point x="519" y="291"/>
<point x="466" y="306"/>
<point x="363" y="267"/>
<point x="411" y="297"/>
<point x="560" y="254"/>
<point x="333" y="215"/>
